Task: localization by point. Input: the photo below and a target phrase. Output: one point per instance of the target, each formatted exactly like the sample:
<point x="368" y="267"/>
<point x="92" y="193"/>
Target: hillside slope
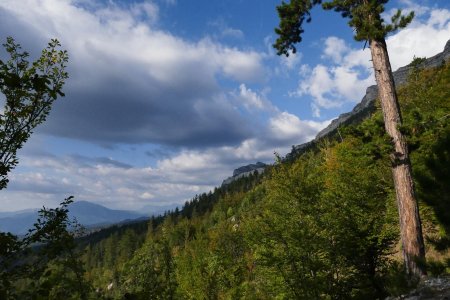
<point x="323" y="224"/>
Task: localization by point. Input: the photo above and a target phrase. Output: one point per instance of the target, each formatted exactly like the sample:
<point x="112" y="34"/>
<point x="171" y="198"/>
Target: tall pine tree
<point x="365" y="17"/>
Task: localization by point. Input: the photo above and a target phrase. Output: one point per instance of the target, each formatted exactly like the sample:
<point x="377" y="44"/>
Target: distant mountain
<point x="86" y="213"/>
<point x="18" y="223"/>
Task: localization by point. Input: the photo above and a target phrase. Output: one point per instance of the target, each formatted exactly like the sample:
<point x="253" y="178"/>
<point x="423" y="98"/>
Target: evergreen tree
<point x="365" y="17"/>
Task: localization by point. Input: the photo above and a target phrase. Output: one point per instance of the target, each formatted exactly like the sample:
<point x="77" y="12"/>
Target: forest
<point x="361" y="213"/>
<point x="320" y="225"/>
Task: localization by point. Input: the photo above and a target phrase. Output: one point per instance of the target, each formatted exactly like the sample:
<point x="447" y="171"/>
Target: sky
<point x="165" y="98"/>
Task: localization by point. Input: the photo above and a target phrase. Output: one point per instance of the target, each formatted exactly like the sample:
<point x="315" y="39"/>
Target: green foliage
<point x="322" y="230"/>
<point x="364" y="17"/>
<point x="44" y="264"/>
<point x="150" y="274"/>
<point x="292" y="15"/>
<point x="30" y="90"/>
<point x="427" y="128"/>
<point x="321" y="226"/>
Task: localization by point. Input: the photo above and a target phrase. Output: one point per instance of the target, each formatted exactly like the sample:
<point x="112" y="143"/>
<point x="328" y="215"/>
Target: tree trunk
<point x="410" y="225"/>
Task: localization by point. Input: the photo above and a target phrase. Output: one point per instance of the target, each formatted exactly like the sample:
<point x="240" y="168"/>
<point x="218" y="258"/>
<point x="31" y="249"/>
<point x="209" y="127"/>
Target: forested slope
<point x="322" y="225"/>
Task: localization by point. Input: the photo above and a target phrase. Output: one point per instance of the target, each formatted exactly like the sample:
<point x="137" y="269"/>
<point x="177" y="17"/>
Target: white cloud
<point x="291" y="62"/>
<point x="409" y="5"/>
<point x="288" y="127"/>
<point x="239" y="65"/>
<point x="252" y="100"/>
<point x="335" y="48"/>
<point x="322" y="83"/>
<point x="339" y="82"/>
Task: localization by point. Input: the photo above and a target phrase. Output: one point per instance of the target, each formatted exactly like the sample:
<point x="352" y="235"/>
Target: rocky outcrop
<point x="366" y="105"/>
<point x="430" y="288"/>
<point x="245" y="171"/>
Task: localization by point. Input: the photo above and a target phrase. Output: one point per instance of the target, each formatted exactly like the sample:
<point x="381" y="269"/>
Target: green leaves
<point x="30" y="91"/>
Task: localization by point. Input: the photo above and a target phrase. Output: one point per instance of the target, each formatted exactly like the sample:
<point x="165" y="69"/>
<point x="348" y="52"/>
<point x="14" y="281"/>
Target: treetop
<point x="364" y="16"/>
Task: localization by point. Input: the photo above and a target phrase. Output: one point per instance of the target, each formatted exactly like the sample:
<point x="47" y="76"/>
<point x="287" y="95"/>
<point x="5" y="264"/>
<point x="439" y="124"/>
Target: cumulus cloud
<point x="335" y="48"/>
<point x="96" y="180"/>
<point x="252" y="100"/>
<point x="131" y="82"/>
<point x="45" y="179"/>
<point x="331" y="86"/>
<point x="288" y="127"/>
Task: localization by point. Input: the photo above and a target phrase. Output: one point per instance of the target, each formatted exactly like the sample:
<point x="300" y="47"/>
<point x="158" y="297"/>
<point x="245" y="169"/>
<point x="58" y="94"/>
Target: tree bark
<point x="410" y="225"/>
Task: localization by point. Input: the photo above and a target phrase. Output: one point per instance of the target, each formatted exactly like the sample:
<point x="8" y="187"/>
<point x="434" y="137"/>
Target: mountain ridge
<point x="86" y="213"/>
<point x="400" y="78"/>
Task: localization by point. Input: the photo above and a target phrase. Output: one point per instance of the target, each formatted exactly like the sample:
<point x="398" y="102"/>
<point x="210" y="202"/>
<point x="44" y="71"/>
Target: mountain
<point x="18" y="223"/>
<point x="86" y="213"/>
<point x="245" y="171"/>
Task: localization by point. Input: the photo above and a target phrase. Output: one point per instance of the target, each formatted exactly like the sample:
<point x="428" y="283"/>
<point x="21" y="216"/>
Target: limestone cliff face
<point x="245" y="171"/>
<point x="363" y="108"/>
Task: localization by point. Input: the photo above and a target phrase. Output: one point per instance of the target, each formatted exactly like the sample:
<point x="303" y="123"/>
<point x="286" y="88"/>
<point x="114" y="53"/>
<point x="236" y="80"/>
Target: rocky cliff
<point x="245" y="171"/>
<point x="367" y="103"/>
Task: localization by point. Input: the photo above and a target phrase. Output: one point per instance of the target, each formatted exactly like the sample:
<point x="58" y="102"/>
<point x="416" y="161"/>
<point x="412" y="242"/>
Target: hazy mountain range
<point x="87" y="213"/>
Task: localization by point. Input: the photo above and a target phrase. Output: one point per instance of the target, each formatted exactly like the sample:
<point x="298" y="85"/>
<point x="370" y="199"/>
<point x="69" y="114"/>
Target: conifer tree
<point x="365" y="18"/>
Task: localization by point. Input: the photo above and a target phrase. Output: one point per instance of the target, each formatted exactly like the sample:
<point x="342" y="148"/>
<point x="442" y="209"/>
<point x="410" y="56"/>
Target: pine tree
<point x="365" y="17"/>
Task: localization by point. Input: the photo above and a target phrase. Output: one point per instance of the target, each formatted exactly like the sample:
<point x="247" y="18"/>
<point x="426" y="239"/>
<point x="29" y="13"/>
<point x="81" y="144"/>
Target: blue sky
<point x="166" y="97"/>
